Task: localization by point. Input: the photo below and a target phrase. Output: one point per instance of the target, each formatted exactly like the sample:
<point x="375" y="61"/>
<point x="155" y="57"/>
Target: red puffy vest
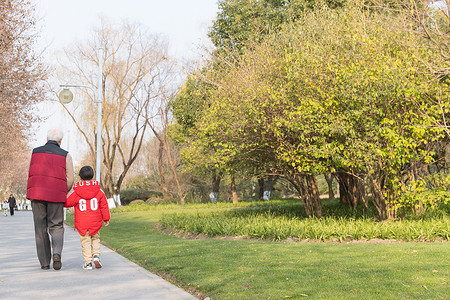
<point x="47" y="175"/>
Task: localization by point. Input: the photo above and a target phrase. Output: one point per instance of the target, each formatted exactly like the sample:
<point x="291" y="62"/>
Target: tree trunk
<point x="362" y="192"/>
<point x="261" y="188"/>
<point x="351" y="189"/>
<point x="378" y="198"/>
<point x="391" y="210"/>
<point x="116" y="196"/>
<point x="303" y="192"/>
<point x="172" y="166"/>
<point x="166" y="146"/>
<point x="309" y="194"/>
<point x="447" y="155"/>
<point x="214" y="195"/>
<point x="329" y="179"/>
<point x="314" y="195"/>
<point x="343" y="188"/>
<point x="234" y="190"/>
<point x="268" y="186"/>
<point x="162" y="179"/>
<point x="107" y="184"/>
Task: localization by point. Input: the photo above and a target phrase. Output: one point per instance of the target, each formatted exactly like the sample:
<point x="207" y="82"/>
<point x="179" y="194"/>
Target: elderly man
<point x="50" y="177"/>
<point x="12" y="204"/>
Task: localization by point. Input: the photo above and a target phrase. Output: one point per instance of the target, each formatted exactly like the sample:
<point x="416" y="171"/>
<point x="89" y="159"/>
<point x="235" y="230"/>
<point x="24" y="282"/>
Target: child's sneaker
<point x="97" y="262"/>
<point x="88" y="266"/>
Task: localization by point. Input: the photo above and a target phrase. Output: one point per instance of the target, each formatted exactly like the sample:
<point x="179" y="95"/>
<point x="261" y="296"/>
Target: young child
<point x="5" y="208"/>
<point x="91" y="210"/>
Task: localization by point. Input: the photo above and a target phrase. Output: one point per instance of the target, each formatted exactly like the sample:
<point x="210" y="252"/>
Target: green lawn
<point x="245" y="269"/>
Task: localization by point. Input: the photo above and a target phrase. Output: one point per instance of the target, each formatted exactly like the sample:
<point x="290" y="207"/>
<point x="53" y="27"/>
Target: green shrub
<point x="197" y="197"/>
<point x="425" y="194"/>
<point x="160" y="201"/>
<point x="138" y="202"/>
<point x="128" y="195"/>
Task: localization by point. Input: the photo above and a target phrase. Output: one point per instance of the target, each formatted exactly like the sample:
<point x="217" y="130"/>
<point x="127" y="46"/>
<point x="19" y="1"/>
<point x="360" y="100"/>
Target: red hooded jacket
<point x="91" y="206"/>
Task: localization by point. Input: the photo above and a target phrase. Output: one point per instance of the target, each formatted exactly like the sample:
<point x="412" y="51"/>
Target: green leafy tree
<point x="238" y="24"/>
<point x="334" y="92"/>
<point x="187" y="107"/>
<point x="429" y="24"/>
<point x="242" y="22"/>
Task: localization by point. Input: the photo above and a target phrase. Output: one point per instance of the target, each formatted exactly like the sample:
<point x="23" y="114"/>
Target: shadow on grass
<point x="293" y="208"/>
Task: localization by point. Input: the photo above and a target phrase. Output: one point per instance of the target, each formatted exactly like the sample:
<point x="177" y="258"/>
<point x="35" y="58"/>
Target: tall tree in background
<point x="134" y="79"/>
<point x="21" y="78"/>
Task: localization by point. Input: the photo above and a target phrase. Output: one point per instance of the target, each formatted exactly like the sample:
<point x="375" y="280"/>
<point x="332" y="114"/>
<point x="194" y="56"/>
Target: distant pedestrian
<point x="91" y="210"/>
<point x="5" y="207"/>
<point x="12" y="204"/>
<point x="50" y="177"/>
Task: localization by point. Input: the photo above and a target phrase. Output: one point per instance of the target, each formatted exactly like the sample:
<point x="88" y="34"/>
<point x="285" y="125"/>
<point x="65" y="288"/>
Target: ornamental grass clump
<point x="285" y="223"/>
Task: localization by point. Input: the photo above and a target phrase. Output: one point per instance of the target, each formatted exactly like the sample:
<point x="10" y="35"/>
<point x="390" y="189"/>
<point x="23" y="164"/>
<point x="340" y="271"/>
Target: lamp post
<point x="99" y="100"/>
<point x="66" y="96"/>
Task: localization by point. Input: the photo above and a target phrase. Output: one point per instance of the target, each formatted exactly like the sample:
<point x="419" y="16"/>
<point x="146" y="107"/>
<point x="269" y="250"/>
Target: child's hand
<point x="106" y="223"/>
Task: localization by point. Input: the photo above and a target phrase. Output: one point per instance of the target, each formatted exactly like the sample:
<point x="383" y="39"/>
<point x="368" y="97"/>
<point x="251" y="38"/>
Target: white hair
<point x="54" y="134"/>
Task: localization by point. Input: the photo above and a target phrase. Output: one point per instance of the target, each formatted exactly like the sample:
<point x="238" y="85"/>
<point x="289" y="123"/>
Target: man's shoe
<point x="45" y="267"/>
<point x="56" y="261"/>
<point x="88" y="266"/>
<point x="97" y="262"/>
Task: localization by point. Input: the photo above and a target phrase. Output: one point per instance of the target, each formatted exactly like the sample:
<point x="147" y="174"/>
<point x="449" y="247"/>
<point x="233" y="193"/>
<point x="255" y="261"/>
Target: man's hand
<point x="106" y="223"/>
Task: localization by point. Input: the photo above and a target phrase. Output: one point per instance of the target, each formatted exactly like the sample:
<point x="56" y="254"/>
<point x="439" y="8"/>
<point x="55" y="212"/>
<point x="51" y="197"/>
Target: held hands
<point x="106" y="223"/>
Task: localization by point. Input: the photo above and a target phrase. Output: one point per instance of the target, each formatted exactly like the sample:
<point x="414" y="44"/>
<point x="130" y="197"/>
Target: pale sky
<point x="182" y="23"/>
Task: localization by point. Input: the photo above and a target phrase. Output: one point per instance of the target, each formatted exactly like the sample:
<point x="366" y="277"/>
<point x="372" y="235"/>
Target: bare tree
<point x="21" y="78"/>
<point x="161" y="133"/>
<point x="133" y="76"/>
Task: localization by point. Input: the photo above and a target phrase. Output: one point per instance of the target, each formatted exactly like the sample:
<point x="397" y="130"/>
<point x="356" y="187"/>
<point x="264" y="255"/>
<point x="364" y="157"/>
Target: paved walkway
<point x="22" y="278"/>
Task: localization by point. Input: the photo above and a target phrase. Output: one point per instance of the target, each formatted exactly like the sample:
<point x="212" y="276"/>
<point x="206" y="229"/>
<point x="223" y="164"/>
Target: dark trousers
<point x="48" y="218"/>
<point x="11" y="211"/>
